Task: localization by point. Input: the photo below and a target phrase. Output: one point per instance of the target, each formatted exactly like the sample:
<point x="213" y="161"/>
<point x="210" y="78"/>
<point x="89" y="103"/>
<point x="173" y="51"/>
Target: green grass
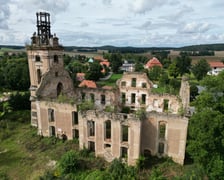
<point x="110" y="82"/>
<point x="23" y="154"/>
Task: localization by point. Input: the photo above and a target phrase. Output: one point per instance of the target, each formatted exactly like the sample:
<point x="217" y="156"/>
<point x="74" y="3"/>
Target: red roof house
<point x="88" y="84"/>
<point x="153" y="62"/>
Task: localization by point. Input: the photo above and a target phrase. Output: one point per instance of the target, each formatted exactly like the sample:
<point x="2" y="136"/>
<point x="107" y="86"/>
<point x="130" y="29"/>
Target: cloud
<point x="4" y="14"/>
<point x="194" y="27"/>
<point x="84" y="24"/>
<point x="107" y="2"/>
<point x="142" y="6"/>
<point x="53" y="6"/>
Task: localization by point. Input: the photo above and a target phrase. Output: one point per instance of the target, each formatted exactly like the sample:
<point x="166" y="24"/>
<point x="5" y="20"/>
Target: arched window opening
<point x="56" y="59"/>
<point x="59" y="89"/>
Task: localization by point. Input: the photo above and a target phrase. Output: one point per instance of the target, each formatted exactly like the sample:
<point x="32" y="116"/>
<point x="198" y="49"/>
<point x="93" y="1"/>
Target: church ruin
<point x="153" y="126"/>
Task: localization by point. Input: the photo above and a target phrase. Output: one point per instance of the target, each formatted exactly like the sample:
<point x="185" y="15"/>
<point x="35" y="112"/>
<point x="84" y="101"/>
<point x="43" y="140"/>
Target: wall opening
<point x="91" y="128"/>
<point x="124" y="152"/>
<point x="59" y="88"/>
<point x="38" y="76"/>
<point x="37" y="58"/>
<point x="147" y="153"/>
<point x="103" y="99"/>
<point x="132" y="98"/>
<point x="123" y="98"/>
<point x="52" y="131"/>
<point x="107" y="146"/>
<point x="161" y="148"/>
<point x="56" y="59"/>
<point x="83" y="96"/>
<point x="123" y="84"/>
<point x="51" y="115"/>
<point x="133" y="82"/>
<point x="143" y="101"/>
<point x="144" y="85"/>
<point x="75" y="119"/>
<point x="124" y="133"/>
<point x="162" y="129"/>
<point x="165" y="105"/>
<point x="107" y="130"/>
<point x="91" y="146"/>
<point x="75" y="133"/>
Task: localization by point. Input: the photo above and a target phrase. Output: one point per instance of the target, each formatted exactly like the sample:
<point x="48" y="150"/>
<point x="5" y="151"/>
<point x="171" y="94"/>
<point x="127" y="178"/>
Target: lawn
<point x="110" y="82"/>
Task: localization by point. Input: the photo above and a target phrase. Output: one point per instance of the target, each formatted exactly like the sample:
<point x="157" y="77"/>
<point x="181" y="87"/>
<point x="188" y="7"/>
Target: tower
<point x="43" y="53"/>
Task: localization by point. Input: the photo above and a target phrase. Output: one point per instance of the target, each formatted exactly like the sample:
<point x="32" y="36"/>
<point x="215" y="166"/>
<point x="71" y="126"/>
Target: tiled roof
<point x="88" y="84"/>
<point x="153" y="62"/>
<point x="216" y="64"/>
<point x="107" y="63"/>
<point x="99" y="58"/>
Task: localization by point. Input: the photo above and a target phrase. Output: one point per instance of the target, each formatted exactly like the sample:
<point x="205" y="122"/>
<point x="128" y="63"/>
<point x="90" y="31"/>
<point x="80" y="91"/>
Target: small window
<point x="56" y="59"/>
<point x="162" y="130"/>
<point x="75" y="120"/>
<point x="143" y="98"/>
<point x="38" y="76"/>
<point x="37" y="58"/>
<point x="123" y="84"/>
<point x="124" y="152"/>
<point x="144" y="85"/>
<point x="75" y="133"/>
<point x="133" y="82"/>
<point x="123" y="98"/>
<point x="107" y="129"/>
<point x="124" y="133"/>
<point x="56" y="74"/>
<point x="132" y="98"/>
<point x="59" y="88"/>
<point x="91" y="128"/>
<point x="103" y="99"/>
<point x="165" y="105"/>
<point x="83" y="96"/>
<point x="51" y="115"/>
<point x="91" y="146"/>
<point x="161" y="148"/>
<point x="52" y="131"/>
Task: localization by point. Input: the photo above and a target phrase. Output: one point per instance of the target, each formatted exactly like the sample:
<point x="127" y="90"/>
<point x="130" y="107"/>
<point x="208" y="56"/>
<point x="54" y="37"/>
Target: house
<point x="216" y="67"/>
<point x="80" y="76"/>
<point x="152" y="63"/>
<point x="127" y="66"/>
<point x="126" y="121"/>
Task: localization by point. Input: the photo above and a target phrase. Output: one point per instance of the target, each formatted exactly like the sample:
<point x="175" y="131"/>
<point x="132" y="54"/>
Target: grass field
<point x="111" y="81"/>
<point x="23" y="154"/>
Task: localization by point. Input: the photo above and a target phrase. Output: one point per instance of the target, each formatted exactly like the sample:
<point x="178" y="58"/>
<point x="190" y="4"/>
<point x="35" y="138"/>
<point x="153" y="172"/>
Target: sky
<point x="139" y="23"/>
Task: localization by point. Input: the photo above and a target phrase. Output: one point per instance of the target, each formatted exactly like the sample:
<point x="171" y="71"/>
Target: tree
<point x="154" y="73"/>
<point x="183" y="64"/>
<point x="206" y="127"/>
<point x="139" y="67"/>
<point x="173" y="69"/>
<point x="94" y="72"/>
<point x="200" y="69"/>
<point x="116" y="61"/>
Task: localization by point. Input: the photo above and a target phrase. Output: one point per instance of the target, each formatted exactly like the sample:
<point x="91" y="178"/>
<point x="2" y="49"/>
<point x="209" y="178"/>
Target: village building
<point x="216" y="67"/>
<point x="125" y="121"/>
<point x="152" y="63"/>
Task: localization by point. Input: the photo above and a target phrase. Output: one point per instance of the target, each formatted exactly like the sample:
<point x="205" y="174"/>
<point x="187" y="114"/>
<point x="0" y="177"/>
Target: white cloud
<point x="4" y="14"/>
<point x="142" y="6"/>
<point x="107" y="2"/>
<point x="195" y="27"/>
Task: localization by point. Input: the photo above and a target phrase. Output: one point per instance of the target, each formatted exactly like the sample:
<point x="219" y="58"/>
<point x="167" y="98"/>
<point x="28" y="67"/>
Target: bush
<point x="70" y="163"/>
